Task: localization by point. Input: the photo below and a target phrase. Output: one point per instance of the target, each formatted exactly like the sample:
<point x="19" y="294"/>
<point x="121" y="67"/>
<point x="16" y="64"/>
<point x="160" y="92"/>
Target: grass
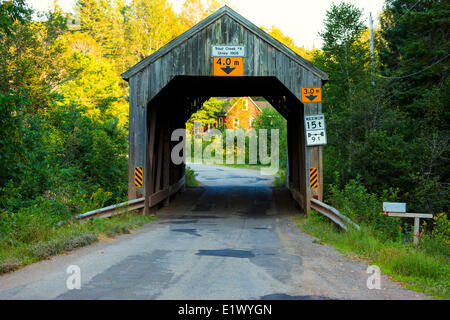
<point x="416" y="269"/>
<point x="191" y="180"/>
<point x="66" y="238"/>
<point x="280" y="178"/>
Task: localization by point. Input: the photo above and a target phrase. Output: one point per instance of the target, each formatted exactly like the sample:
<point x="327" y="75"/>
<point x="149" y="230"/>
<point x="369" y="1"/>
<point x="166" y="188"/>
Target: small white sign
<point x="394" y="206"/>
<point x="227" y="51"/>
<point x="315" y="130"/>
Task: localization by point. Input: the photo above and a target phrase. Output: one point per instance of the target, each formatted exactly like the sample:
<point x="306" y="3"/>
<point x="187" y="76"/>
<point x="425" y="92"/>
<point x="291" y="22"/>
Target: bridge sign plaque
<point x="315" y="130"/>
<point x="227" y="51"/>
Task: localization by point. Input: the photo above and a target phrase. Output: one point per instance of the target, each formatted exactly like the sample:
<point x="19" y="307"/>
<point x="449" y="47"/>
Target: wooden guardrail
<point x="136" y="204"/>
<point x="332" y="214"/>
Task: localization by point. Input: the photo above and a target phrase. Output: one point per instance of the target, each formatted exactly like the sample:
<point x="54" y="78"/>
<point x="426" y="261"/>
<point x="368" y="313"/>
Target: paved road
<point x="233" y="238"/>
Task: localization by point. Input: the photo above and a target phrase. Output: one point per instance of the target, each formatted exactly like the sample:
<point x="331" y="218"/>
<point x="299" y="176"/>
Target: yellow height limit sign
<point x="228" y="66"/>
<point x="311" y="94"/>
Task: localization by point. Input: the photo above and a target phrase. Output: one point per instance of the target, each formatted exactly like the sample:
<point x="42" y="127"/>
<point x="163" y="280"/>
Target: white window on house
<point x="252" y="122"/>
<point x="198" y="131"/>
<point x="245" y="105"/>
<point x="235" y="122"/>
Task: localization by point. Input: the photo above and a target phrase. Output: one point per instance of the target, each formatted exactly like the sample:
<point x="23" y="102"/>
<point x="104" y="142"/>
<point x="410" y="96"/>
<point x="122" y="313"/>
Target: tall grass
<point x="22" y="247"/>
<point x="191" y="180"/>
<point x="419" y="269"/>
<point x="387" y="241"/>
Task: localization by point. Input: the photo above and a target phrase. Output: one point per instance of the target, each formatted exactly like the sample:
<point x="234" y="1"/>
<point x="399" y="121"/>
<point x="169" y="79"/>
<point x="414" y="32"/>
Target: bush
<point x="280" y="178"/>
<point x="362" y="207"/>
<point x="191" y="181"/>
<point x="70" y="242"/>
<point x="438" y="240"/>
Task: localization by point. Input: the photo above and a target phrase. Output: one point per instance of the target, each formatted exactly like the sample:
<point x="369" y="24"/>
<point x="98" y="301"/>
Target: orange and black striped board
<point x="313" y="178"/>
<point x="138" y="174"/>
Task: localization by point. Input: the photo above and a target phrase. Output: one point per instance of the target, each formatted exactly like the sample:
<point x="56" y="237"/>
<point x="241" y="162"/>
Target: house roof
<point x="263" y="105"/>
<point x="229" y="107"/>
<point x="225" y="10"/>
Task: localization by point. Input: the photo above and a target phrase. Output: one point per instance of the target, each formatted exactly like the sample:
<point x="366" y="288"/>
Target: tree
<point x="193" y="11"/>
<point x="414" y="45"/>
<point x="90" y="80"/>
<point x="289" y="42"/>
<point x="362" y="127"/>
<point x="207" y="114"/>
<point x="269" y="119"/>
<point x="150" y="24"/>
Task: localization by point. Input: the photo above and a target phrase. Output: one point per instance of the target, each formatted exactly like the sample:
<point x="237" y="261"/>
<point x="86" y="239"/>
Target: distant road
<point x="232" y="238"/>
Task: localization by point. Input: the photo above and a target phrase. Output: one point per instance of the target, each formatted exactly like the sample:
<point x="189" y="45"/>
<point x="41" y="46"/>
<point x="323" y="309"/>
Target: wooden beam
<point x="151" y="124"/>
<point x="410" y="215"/>
<point x="167" y="160"/>
<point x="160" y="158"/>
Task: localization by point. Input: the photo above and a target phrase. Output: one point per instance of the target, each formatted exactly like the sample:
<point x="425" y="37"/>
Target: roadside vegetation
<point x="40" y="240"/>
<point x="64" y="118"/>
<point x="191" y="180"/>
<point x="387" y="241"/>
<point x="388" y="138"/>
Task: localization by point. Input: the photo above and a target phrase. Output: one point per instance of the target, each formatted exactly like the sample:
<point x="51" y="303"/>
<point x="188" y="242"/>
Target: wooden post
<point x="416" y="230"/>
<point x="151" y="121"/>
<point x="167" y="160"/>
<point x="160" y="158"/>
<point x="416" y="217"/>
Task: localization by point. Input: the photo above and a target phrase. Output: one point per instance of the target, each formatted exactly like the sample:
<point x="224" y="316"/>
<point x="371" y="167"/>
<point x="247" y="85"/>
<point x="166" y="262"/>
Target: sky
<point x="299" y="19"/>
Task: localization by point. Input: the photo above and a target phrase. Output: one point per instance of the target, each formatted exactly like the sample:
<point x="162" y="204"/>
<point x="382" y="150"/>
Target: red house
<point x="242" y="114"/>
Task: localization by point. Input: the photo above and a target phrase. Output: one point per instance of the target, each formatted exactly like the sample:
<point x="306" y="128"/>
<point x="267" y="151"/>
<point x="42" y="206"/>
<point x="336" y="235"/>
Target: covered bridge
<point x="172" y="83"/>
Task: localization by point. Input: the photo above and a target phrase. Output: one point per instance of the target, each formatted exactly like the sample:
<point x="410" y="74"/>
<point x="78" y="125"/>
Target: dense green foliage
<point x="417" y="267"/>
<point x="64" y="110"/>
<point x="388" y="136"/>
<point x="391" y="132"/>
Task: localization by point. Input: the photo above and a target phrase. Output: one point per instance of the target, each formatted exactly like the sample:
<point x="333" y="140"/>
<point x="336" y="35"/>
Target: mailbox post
<point x="398" y="209"/>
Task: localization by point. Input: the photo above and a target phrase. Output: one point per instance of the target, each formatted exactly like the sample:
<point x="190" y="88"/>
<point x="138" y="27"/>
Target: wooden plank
<point x="189" y="57"/>
<point x="201" y="53"/>
<point x="160" y="158"/>
<point x="263" y="60"/>
<point x="248" y="59"/>
<point x="131" y="139"/>
<point x="208" y="44"/>
<point x="410" y="215"/>
<point x="148" y="170"/>
<point x="156" y="86"/>
<point x="218" y="32"/>
<point x="256" y="57"/>
<point x="144" y="87"/>
<point x="225" y="30"/>
<point x="138" y="89"/>
<point x="166" y="155"/>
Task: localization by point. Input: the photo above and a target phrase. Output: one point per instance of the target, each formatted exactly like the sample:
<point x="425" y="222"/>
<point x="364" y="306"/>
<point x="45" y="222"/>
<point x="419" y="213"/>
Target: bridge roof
<point x="224" y="11"/>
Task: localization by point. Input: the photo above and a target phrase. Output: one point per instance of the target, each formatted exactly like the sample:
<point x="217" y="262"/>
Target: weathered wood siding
<point x="190" y="55"/>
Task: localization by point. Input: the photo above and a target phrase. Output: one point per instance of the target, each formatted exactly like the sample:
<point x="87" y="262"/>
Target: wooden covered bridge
<point x="172" y="83"/>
